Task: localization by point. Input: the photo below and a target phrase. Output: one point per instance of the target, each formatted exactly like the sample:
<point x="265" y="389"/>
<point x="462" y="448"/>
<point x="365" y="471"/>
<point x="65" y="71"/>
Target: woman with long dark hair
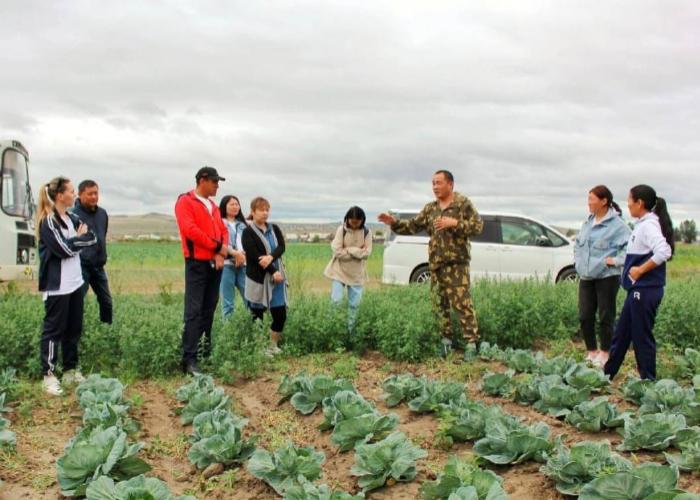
<point x="351" y="246"/>
<point x="233" y="274"/>
<point x="599" y="254"/>
<point x="61" y="237"/>
<point x="650" y="246"/>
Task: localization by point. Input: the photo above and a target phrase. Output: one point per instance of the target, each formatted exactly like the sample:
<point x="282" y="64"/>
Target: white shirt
<point x="71" y="273"/>
<point x="648" y="238"/>
<point x="207" y="203"/>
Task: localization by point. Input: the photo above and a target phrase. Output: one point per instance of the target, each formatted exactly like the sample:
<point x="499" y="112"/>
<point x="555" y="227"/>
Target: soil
<point x="42" y="433"/>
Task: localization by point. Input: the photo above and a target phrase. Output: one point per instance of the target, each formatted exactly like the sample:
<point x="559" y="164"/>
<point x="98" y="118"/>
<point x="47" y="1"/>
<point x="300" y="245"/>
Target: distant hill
<point x="163" y="226"/>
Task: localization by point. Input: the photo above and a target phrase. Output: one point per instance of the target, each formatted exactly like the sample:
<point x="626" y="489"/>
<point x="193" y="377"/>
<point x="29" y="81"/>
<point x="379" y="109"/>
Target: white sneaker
<point x="592" y="356"/>
<point x="52" y="385"/>
<point x="73" y="377"/>
<point x="602" y="358"/>
<point x="273" y="350"/>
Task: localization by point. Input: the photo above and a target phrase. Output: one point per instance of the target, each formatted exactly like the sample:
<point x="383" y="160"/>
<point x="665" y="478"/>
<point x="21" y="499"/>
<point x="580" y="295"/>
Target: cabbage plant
<point x="284" y="468"/>
<point x="137" y="488"/>
<point x="594" y="415"/>
<point x="460" y="475"/>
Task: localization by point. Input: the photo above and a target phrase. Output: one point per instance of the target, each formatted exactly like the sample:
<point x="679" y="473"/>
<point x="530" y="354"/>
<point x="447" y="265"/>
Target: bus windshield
<point x="15" y="193"/>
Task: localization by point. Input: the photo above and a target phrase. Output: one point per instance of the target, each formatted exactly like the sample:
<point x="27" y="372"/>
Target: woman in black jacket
<point x="266" y="284"/>
<point x="61" y="237"/>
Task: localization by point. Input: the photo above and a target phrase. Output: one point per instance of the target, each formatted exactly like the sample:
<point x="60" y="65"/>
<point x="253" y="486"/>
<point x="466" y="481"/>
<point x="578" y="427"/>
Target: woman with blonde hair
<point x="61" y="237"/>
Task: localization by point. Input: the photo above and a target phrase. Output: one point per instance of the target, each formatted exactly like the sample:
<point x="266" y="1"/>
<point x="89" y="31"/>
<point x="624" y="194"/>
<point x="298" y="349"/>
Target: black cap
<point x="208" y="173"/>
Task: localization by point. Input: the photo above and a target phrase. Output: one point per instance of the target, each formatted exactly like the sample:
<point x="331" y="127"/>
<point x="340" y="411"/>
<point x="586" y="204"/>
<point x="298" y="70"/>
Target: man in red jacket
<point x="204" y="237"/>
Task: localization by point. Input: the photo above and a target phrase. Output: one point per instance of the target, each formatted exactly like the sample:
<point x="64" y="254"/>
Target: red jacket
<point x="202" y="234"/>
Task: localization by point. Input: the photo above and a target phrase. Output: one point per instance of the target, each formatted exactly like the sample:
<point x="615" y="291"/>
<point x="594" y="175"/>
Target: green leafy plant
<point x="488" y="352"/>
<point x="108" y="415"/>
<point x="284" y="468"/>
<point x="137" y="488"/>
<point x="689" y="363"/>
<point x="522" y="360"/>
<point x="200" y="384"/>
<point x="404" y="387"/>
<point x="394" y="457"/>
<point x="571" y="469"/>
<point x="667" y="396"/>
<point x="362" y="429"/>
<point x="688" y="459"/>
<point x="633" y="389"/>
<point x="8" y="383"/>
<point x="211" y="423"/>
<point x="466" y="420"/>
<point x="558" y="365"/>
<point x="96" y="389"/>
<point x="434" y="394"/>
<point x="526" y="389"/>
<point x="507" y="442"/>
<point x="498" y="384"/>
<point x="94" y="453"/>
<point x="594" y="415"/>
<point x="309" y="491"/>
<point x="344" y="405"/>
<point x="311" y="391"/>
<point x="461" y="474"/>
<point x="557" y="399"/>
<point x="225" y="447"/>
<point x="581" y="376"/>
<point x="8" y="439"/>
<point x="644" y="482"/>
<point x="200" y="402"/>
<point x="651" y="432"/>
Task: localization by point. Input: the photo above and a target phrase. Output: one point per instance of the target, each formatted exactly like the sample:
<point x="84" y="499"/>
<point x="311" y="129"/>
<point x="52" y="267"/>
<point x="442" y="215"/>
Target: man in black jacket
<point x="93" y="259"/>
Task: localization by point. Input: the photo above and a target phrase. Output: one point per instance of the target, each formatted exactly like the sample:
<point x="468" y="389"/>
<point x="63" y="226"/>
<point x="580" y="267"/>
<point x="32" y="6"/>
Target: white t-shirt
<point x="207" y="203"/>
<point x="71" y="273"/>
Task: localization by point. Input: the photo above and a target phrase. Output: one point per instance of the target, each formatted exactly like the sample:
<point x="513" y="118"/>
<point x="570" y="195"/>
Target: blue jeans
<point x="231" y="278"/>
<point x="354" y="298"/>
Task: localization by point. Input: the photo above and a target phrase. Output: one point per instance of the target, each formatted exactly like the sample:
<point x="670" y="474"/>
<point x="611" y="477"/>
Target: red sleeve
<point x="189" y="228"/>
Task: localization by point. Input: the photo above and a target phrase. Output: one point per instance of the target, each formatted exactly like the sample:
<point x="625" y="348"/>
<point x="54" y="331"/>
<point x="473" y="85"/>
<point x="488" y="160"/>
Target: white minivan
<point x="510" y="247"/>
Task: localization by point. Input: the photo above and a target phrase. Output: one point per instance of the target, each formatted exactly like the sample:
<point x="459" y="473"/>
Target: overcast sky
<point x="322" y="105"/>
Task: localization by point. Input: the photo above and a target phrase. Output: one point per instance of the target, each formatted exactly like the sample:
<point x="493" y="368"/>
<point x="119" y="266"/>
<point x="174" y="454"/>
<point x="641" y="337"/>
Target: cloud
<point x="321" y="105"/>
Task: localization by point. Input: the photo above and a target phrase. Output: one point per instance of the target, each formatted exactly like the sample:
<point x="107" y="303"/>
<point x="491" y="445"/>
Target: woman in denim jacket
<point x="599" y="254"/>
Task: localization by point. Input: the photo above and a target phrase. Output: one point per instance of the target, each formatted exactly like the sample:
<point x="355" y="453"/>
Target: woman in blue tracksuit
<point x="644" y="277"/>
<point x="61" y="237"/>
<point x="233" y="274"/>
<point x="599" y="254"/>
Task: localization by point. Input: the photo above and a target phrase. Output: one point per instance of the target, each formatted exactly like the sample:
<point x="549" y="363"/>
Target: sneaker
<point x="592" y="356"/>
<point x="73" y="377"/>
<point x="445" y="347"/>
<point x="602" y="359"/>
<point x="52" y="385"/>
<point x="273" y="350"/>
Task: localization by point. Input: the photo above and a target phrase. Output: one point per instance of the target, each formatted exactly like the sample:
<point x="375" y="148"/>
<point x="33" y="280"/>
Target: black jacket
<point x="97" y="221"/>
<point x="254" y="249"/>
<point x="54" y="247"/>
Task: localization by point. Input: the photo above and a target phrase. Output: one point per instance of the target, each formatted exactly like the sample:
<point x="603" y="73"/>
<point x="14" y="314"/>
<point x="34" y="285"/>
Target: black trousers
<point x="201" y="296"/>
<point x="63" y="326"/>
<point x="598" y="296"/>
<point x="279" y="316"/>
<point x="636" y="327"/>
<point x="96" y="278"/>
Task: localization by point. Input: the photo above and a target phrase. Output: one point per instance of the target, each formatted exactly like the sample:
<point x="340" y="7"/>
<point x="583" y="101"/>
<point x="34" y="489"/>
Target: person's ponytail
<point x="661" y="211"/>
<point x="616" y="207"/>
<point x="47" y="197"/>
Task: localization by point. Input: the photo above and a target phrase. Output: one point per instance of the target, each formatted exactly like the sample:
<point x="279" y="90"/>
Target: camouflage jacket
<point x="449" y="246"/>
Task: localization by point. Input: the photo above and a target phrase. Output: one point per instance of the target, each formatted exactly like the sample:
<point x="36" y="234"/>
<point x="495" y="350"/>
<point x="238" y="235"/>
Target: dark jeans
<point x="635" y="326"/>
<point x="96" y="278"/>
<point x="63" y="326"/>
<point x="598" y="295"/>
<point x="279" y="316"/>
<point x="201" y="296"/>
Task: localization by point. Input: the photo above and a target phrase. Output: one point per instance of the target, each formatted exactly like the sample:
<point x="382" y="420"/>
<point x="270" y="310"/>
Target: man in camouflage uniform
<point x="449" y="221"/>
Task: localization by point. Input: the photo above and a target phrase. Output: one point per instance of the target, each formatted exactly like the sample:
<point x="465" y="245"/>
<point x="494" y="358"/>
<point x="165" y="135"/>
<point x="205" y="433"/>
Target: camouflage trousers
<point x="451" y="290"/>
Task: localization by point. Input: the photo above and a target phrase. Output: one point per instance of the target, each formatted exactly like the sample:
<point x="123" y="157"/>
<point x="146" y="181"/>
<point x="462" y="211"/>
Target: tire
<point x="568" y="274"/>
<point x="421" y="275"/>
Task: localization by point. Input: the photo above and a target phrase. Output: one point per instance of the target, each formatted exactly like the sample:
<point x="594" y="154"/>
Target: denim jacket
<point x="596" y="242"/>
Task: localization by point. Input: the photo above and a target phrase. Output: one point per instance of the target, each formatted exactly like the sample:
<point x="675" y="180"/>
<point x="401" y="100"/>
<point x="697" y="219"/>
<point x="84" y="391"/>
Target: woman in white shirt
<point x="61" y="237"/>
<point x="644" y="276"/>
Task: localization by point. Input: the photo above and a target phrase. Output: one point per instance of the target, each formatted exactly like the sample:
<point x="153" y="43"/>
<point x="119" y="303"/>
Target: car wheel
<point x="421" y="275"/>
<point x="568" y="274"/>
